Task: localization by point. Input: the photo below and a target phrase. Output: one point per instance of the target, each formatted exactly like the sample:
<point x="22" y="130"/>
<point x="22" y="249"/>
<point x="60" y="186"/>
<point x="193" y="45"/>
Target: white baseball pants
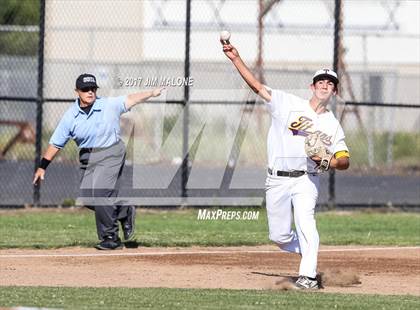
<point x="294" y="197"/>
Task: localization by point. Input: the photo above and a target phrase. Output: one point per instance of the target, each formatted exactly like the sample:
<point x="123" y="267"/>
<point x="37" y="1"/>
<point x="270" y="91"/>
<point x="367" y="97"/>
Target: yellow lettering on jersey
<point x="302" y="127"/>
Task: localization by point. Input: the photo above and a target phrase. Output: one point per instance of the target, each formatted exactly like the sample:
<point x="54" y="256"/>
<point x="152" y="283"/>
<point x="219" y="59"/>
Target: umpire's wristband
<point x="44" y="163"/>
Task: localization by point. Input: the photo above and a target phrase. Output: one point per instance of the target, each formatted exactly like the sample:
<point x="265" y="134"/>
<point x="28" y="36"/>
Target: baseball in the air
<point x="225" y="36"/>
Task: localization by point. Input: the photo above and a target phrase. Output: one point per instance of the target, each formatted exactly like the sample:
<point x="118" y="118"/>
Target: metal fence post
<point x="39" y="99"/>
<point x="185" y="162"/>
<point x="337" y="47"/>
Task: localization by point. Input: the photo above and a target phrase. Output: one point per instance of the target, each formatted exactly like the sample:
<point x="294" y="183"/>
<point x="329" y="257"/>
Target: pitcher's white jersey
<point x="292" y="119"/>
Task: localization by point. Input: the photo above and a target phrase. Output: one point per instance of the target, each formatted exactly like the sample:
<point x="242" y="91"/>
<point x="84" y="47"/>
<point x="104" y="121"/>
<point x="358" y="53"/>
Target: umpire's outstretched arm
<point x="137" y="98"/>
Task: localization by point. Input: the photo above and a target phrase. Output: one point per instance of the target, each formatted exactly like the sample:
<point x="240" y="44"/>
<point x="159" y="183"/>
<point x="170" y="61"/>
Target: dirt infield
<point x="373" y="270"/>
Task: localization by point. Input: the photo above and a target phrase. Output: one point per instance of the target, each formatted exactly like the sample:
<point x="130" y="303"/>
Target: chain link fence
<point x="205" y="143"/>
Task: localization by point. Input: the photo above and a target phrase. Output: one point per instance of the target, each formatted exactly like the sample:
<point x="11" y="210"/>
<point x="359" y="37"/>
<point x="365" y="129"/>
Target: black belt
<point x="96" y="149"/>
<point x="290" y="174"/>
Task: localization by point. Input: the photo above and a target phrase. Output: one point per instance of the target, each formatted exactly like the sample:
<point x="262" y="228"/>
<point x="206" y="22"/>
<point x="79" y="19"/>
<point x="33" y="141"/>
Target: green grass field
<point x="160" y="298"/>
<point x="52" y="229"/>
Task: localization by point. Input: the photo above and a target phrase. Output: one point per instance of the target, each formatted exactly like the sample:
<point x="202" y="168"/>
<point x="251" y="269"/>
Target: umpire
<point x="94" y="124"/>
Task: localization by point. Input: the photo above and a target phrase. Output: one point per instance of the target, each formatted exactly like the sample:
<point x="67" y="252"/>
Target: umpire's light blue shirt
<point x="99" y="128"/>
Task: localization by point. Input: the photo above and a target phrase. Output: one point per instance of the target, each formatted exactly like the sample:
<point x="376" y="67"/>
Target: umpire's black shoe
<point x="128" y="224"/>
<point x="109" y="244"/>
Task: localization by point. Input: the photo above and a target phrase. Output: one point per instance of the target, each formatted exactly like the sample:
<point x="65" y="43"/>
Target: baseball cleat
<point x="109" y="244"/>
<point x="306" y="283"/>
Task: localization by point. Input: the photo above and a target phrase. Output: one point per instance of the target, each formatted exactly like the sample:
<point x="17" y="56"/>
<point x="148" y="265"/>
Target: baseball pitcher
<point x="304" y="140"/>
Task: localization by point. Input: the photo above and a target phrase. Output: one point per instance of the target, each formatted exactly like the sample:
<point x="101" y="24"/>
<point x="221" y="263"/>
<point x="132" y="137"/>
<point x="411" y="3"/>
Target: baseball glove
<point x="315" y="147"/>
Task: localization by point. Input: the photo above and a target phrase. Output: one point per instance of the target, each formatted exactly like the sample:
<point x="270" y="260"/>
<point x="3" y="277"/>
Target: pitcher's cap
<point x="325" y="74"/>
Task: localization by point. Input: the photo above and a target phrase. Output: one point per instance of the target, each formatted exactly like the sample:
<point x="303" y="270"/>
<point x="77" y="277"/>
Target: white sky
<point x="286" y="46"/>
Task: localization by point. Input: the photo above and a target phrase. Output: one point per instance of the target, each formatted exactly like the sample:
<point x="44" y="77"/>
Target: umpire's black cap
<point x="86" y="80"/>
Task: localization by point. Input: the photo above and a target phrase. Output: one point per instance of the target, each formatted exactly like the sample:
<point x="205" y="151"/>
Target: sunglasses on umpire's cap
<point x="86" y="81"/>
<point x="325" y="74"/>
